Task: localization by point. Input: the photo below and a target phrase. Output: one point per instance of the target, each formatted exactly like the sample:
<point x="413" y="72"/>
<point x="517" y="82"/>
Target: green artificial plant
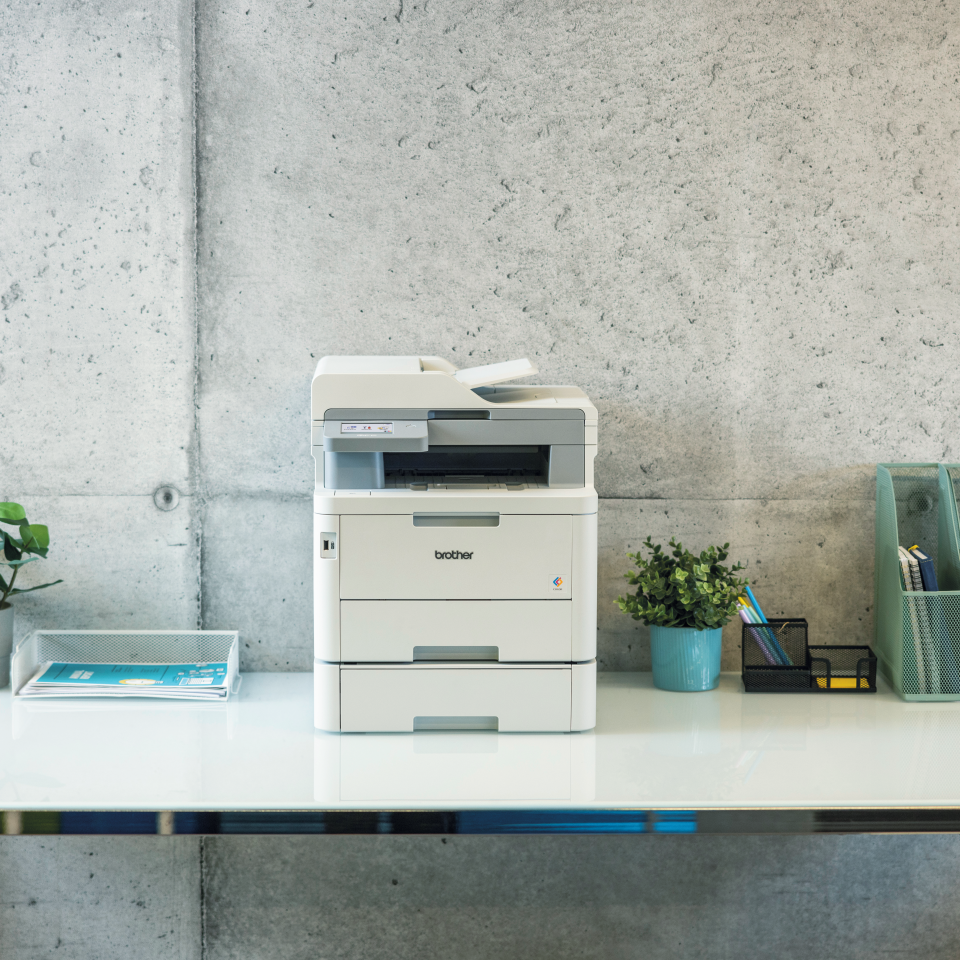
<point x="682" y="589"/>
<point x="34" y="540"/>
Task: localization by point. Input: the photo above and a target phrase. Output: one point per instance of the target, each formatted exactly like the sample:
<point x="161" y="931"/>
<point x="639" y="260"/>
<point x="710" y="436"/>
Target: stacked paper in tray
<point x="180" y="681"/>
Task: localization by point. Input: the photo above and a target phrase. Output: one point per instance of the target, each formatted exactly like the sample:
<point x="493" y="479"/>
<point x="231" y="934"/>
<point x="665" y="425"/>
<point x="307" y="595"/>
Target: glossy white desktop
<point x="650" y="750"/>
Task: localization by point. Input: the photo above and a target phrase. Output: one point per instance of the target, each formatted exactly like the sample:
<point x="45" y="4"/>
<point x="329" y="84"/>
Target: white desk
<point x="651" y="751"/>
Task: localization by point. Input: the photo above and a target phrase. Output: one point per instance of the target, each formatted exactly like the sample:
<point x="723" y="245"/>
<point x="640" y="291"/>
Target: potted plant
<point x="31" y="545"/>
<point x="685" y="599"/>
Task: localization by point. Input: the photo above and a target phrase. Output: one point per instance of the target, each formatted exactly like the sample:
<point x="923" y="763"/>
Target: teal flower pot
<point x="685" y="659"/>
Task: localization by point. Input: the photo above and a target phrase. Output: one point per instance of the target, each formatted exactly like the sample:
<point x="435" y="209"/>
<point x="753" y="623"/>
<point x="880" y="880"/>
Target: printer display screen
<point x="366" y="428"/>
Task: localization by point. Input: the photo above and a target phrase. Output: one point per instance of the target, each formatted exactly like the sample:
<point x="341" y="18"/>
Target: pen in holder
<point x="774" y="656"/>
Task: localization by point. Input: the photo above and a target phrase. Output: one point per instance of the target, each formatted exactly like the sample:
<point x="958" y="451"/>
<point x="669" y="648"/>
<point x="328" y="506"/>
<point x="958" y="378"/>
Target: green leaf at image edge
<point x="12" y="513"/>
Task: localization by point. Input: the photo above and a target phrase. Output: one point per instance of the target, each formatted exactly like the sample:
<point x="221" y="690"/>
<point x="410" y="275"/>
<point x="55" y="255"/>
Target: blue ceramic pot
<point x="685" y="659"/>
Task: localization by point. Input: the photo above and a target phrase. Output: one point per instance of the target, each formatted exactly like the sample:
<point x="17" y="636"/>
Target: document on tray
<point x="168" y="681"/>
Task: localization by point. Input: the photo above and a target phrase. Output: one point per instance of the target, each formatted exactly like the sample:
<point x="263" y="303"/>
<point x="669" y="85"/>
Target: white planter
<point x="6" y="643"/>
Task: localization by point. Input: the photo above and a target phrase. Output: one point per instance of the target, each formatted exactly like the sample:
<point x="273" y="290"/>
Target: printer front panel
<point x="455" y="557"/>
<point x="380" y="592"/>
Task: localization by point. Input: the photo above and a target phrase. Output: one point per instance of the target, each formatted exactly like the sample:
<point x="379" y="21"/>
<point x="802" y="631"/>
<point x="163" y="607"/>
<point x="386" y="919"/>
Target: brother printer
<point x="455" y="548"/>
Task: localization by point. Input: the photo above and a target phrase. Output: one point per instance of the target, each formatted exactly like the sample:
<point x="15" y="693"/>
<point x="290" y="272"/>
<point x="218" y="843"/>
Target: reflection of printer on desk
<point x="455" y="548"/>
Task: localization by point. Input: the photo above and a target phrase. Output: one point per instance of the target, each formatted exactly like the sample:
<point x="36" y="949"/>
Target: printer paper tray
<point x="399" y="631"/>
<point x="386" y="698"/>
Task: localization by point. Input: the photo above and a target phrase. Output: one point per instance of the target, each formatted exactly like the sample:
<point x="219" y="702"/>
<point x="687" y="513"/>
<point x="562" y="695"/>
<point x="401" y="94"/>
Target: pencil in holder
<point x="774" y="656"/>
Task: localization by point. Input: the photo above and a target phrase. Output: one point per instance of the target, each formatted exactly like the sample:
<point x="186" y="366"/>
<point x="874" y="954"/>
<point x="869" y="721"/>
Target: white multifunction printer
<point x="455" y="548"/>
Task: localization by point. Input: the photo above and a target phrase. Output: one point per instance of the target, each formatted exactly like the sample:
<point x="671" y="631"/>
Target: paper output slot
<point x="456" y="520"/>
<point x="458" y="415"/>
<point x="456" y="653"/>
<point x="456" y="723"/>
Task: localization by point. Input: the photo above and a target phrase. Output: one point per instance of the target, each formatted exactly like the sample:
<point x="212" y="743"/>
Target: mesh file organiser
<point x="918" y="633"/>
<point x="126" y="646"/>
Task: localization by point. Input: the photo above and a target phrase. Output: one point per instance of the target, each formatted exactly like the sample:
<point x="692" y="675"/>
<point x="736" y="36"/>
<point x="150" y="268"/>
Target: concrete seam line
<point x="197" y="458"/>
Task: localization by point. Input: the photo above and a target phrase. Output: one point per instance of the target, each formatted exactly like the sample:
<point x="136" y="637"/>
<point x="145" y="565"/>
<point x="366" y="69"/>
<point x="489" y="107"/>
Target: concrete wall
<point x="734" y="228"/>
<point x="100" y="898"/>
<point x="733" y="225"/>
<point x="299" y="898"/>
<point x="97" y="321"/>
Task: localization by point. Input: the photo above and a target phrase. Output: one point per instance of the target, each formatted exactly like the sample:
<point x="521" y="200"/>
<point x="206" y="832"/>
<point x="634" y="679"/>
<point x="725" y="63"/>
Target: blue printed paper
<point x="135" y="675"/>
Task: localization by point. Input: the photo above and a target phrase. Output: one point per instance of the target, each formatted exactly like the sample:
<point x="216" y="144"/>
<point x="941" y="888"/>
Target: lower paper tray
<point x="402" y="698"/>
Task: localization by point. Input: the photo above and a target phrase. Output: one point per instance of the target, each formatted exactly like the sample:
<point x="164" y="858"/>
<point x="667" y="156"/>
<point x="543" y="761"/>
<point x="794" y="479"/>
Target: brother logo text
<point x="452" y="555"/>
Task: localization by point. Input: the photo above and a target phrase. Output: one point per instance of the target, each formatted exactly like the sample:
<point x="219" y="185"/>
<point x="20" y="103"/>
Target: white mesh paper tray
<point x="126" y="646"/>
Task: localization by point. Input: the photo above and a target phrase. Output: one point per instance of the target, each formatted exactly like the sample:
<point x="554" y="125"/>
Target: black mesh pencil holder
<point x="774" y="657"/>
<point x="777" y="659"/>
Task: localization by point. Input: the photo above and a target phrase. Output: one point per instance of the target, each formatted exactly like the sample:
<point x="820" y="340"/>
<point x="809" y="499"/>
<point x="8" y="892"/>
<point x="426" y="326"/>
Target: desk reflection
<point x="446" y="767"/>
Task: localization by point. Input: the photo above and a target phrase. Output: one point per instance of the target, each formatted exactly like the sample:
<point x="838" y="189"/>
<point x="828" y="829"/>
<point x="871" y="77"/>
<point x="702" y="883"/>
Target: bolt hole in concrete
<point x="166" y="498"/>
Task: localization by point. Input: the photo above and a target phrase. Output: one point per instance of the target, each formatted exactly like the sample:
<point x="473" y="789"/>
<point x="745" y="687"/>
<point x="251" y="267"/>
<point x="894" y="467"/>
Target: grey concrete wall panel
<point x="804" y="558"/>
<point x="257" y="571"/>
<point x="722" y="224"/>
<point x="733" y="228"/>
<point x="97" y="331"/>
<point x="476" y="898"/>
<point x="125" y="564"/>
<point x="109" y="898"/>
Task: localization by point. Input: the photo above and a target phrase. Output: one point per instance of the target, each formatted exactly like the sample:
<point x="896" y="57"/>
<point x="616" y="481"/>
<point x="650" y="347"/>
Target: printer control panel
<point x="366" y="429"/>
<point x="381" y="436"/>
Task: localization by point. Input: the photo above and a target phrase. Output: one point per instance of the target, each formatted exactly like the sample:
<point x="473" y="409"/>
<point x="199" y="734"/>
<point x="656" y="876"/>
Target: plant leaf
<point x="16" y="590"/>
<point x="19" y="563"/>
<point x="12" y="513"/>
<point x="36" y="538"/>
<point x="682" y="589"/>
<point x="11" y="549"/>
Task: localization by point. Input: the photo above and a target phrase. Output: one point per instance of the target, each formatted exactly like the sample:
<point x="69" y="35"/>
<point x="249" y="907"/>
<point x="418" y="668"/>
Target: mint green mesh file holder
<point x="918" y="633"/>
<point x="950" y="534"/>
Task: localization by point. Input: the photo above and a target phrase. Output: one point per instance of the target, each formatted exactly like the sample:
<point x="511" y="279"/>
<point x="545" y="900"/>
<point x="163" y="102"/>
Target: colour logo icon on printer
<point x="558" y="582"/>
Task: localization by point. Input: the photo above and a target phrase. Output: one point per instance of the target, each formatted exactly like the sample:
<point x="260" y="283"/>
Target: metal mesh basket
<point x="843" y="669"/>
<point x="918" y="633"/>
<point x="763" y="669"/>
<point x="124" y="646"/>
<point x="825" y="669"/>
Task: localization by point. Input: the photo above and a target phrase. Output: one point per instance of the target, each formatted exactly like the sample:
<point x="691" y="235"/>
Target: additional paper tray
<point x="126" y="646"/>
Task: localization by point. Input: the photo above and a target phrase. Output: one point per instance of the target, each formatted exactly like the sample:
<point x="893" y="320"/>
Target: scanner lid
<point x="432" y="383"/>
<point x="483" y="376"/>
